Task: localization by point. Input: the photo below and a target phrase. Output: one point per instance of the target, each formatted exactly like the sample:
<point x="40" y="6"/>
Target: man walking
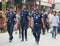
<point x="36" y="20"/>
<point x="54" y="22"/>
<point x="24" y="21"/>
<point x="10" y="20"/>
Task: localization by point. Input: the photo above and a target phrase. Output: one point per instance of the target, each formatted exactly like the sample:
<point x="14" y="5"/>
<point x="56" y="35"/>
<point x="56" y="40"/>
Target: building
<point x="46" y="4"/>
<point x="42" y="4"/>
<point x="57" y="5"/>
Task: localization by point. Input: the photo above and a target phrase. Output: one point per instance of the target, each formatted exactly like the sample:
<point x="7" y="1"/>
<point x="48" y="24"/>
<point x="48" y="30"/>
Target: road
<point x="45" y="40"/>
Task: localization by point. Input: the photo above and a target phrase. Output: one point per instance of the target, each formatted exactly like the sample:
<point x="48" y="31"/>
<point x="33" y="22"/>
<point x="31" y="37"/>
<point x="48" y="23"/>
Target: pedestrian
<point x="54" y="22"/>
<point x="2" y="19"/>
<point x="36" y="20"/>
<point x="18" y="18"/>
<point x="42" y="29"/>
<point x="16" y="26"/>
<point x="59" y="22"/>
<point x="7" y="9"/>
<point x="50" y="25"/>
<point x="46" y="22"/>
<point x="24" y="21"/>
<point x="10" y="21"/>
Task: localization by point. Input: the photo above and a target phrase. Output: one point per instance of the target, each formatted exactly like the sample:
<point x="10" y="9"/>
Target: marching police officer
<point x="10" y="19"/>
<point x="36" y="20"/>
<point x="46" y="21"/>
<point x="24" y="21"/>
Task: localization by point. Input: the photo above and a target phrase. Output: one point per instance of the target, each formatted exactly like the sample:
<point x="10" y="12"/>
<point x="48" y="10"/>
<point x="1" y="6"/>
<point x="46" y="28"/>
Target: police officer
<point x="24" y="22"/>
<point x="10" y="19"/>
<point x="36" y="20"/>
<point x="46" y="22"/>
<point x="59" y="23"/>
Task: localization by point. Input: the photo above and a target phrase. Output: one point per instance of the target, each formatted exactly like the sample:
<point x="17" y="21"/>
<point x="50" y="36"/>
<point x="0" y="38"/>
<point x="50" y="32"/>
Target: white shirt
<point x="54" y="20"/>
<point x="50" y="15"/>
<point x="17" y="16"/>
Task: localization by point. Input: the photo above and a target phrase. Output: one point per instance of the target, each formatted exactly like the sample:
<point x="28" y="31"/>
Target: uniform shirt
<point x="11" y="18"/>
<point x="55" y="20"/>
<point x="59" y="18"/>
<point x="37" y="17"/>
<point x="45" y="16"/>
<point x="24" y="14"/>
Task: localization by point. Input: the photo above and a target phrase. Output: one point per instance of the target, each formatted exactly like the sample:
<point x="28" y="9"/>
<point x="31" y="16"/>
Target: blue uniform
<point x="59" y="25"/>
<point x="24" y="23"/>
<point x="46" y="22"/>
<point x="37" y="25"/>
<point x="10" y="24"/>
<point x="45" y="17"/>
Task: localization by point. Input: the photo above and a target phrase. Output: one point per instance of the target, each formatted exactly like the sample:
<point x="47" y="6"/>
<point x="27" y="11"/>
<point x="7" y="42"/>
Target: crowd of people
<point x="37" y="21"/>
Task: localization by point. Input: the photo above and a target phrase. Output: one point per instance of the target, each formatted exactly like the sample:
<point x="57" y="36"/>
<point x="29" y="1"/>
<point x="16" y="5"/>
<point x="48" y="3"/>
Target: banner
<point x="49" y="1"/>
<point x="44" y="0"/>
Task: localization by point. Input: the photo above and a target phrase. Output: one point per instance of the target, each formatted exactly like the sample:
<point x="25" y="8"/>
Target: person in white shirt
<point x="17" y="21"/>
<point x="49" y="16"/>
<point x="54" y="23"/>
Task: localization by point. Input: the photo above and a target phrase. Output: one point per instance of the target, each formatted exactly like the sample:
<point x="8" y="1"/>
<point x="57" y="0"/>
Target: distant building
<point x="57" y="5"/>
<point x="43" y="4"/>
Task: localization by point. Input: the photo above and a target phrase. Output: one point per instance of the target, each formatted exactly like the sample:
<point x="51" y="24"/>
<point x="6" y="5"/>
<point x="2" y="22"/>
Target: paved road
<point x="46" y="40"/>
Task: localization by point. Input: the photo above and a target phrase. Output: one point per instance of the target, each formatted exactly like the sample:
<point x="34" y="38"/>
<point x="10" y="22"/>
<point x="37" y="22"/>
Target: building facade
<point x="57" y="5"/>
<point x="42" y="4"/>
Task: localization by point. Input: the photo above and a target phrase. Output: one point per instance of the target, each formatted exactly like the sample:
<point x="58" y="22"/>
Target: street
<point x="46" y="40"/>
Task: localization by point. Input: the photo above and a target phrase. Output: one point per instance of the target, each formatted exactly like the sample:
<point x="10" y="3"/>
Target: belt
<point x="36" y="23"/>
<point x="9" y="21"/>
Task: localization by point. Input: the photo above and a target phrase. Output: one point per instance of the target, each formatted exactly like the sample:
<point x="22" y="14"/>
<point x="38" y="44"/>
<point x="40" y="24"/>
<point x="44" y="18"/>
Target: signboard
<point x="44" y="0"/>
<point x="37" y="2"/>
<point x="24" y="1"/>
<point x="6" y="0"/>
<point x="46" y="4"/>
<point x="49" y="1"/>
